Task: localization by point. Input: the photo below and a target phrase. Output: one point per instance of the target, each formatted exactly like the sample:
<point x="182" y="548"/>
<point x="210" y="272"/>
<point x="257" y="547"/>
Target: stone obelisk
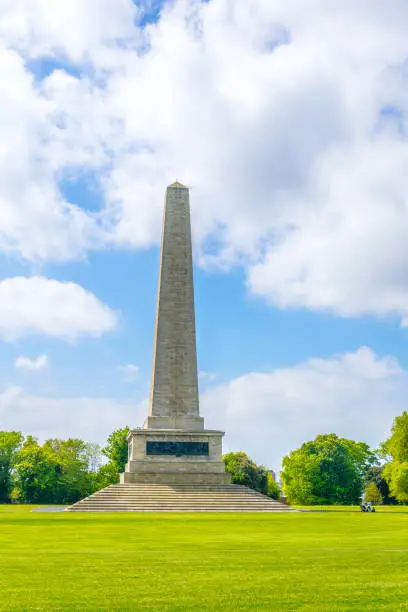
<point x="173" y="447"/>
<point x="174" y="400"/>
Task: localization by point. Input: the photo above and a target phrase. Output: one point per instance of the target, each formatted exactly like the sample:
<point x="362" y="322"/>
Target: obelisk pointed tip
<point x="177" y="185"/>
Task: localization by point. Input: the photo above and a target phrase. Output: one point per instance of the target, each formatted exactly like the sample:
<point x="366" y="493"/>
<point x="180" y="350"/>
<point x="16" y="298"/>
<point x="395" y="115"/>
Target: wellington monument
<point x="174" y="463"/>
<point x="173" y="447"/>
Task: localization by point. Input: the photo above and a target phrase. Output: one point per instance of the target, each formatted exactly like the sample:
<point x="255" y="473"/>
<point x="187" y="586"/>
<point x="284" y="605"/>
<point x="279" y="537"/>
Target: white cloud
<point x="89" y="418"/>
<point x="288" y="124"/>
<point x="35" y="220"/>
<point x="356" y="395"/>
<point x="35" y="363"/>
<point x="349" y="261"/>
<point x="41" y="305"/>
<point x="207" y="376"/>
<point x="71" y="29"/>
<point x="129" y="372"/>
<point x="41" y="143"/>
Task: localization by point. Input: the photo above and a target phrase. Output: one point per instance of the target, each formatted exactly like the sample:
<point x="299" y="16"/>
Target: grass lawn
<point x="382" y="509"/>
<point x="184" y="562"/>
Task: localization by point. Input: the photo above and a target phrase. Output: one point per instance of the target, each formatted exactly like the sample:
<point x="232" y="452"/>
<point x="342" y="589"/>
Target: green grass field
<point x="183" y="562"/>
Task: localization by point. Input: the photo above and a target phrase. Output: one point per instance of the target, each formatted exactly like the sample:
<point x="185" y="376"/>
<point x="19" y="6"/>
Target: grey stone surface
<point x="176" y="478"/>
<point x="50" y="509"/>
<point x="174" y="402"/>
<point x="174" y="496"/>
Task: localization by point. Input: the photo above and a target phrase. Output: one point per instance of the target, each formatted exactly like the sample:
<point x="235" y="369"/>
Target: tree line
<point x="58" y="471"/>
<point x="327" y="470"/>
<point x="333" y="470"/>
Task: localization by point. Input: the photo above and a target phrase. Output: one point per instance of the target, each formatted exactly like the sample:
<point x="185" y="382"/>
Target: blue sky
<point x="296" y="157"/>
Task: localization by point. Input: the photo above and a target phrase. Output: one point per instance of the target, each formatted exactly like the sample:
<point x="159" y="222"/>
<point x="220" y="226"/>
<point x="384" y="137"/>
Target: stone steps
<point x="181" y="495"/>
<point x="160" y="508"/>
<point x="180" y="498"/>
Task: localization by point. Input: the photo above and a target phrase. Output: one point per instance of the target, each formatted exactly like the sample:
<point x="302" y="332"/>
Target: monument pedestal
<point x="175" y="456"/>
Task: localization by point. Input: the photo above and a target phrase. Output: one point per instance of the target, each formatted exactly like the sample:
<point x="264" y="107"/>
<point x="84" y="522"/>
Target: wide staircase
<point x="178" y="498"/>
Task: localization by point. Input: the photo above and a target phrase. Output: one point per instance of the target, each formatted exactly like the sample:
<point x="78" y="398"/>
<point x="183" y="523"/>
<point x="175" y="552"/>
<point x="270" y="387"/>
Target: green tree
<point x="372" y="494"/>
<point x="272" y="488"/>
<point x="245" y="472"/>
<point x="10" y="443"/>
<point x="56" y="472"/>
<point x="106" y="475"/>
<point x="75" y="479"/>
<point x="396" y="474"/>
<point x="364" y="457"/>
<point x="375" y="475"/>
<point x="37" y="470"/>
<point x="327" y="470"/>
<point x="116" y="449"/>
<point x="64" y="471"/>
<point x="395" y="450"/>
<point x="396" y="447"/>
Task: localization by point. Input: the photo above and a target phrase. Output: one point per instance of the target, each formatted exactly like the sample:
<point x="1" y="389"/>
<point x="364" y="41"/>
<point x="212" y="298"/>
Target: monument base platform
<point x="175" y="456"/>
<point x="175" y="478"/>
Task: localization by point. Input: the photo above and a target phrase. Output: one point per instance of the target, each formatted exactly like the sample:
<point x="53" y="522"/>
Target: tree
<point x="396" y="474"/>
<point x="395" y="449"/>
<point x="105" y="476"/>
<point x="94" y="457"/>
<point x="116" y="449"/>
<point x="56" y="472"/>
<point x="36" y="472"/>
<point x="362" y="454"/>
<point x="327" y="470"/>
<point x="375" y="475"/>
<point x="75" y="478"/>
<point x="245" y="472"/>
<point x="272" y="489"/>
<point x="372" y="494"/>
<point x="10" y="443"/>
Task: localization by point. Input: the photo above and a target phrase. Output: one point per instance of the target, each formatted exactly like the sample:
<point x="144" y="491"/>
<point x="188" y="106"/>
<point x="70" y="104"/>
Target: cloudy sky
<point x="288" y="121"/>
